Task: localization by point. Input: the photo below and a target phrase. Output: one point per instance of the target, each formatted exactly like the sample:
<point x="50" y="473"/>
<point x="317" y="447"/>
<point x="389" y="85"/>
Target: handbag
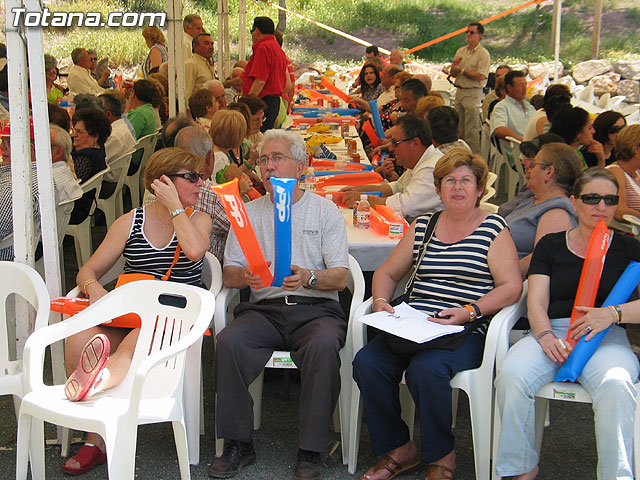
<point x="407" y="348"/>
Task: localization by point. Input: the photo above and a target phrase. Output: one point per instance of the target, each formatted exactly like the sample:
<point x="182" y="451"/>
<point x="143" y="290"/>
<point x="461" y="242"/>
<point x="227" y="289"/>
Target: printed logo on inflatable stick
<point x="591" y="273"/>
<point x="283" y="191"/>
<point x="230" y="197"/>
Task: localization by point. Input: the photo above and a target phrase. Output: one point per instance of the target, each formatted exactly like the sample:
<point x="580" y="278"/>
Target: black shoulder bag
<point x="407" y="348"/>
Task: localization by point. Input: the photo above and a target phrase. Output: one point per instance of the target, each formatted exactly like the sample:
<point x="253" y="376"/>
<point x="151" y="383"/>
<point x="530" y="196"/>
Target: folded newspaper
<point x="410" y="323"/>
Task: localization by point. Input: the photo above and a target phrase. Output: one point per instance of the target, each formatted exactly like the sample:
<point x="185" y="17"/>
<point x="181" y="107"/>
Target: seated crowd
<point x="466" y="263"/>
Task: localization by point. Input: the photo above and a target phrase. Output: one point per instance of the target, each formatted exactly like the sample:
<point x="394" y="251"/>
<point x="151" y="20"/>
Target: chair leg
<point x="66" y="435"/>
<point x="479" y="406"/>
<point x="355" y="423"/>
<point x="191" y="399"/>
<point x="219" y="441"/>
<point x="542" y="408"/>
<point x="83" y="246"/>
<point x="121" y="441"/>
<point x="255" y="389"/>
<point x="23" y="444"/>
<point x="180" y="436"/>
<point x="119" y="205"/>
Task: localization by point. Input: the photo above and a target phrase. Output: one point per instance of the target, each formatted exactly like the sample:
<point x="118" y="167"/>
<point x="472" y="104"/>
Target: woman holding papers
<point x="466" y="271"/>
<point x="533" y="362"/>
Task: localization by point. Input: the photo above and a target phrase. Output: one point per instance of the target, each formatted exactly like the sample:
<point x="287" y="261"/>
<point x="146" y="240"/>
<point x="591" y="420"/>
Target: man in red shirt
<point x="266" y="73"/>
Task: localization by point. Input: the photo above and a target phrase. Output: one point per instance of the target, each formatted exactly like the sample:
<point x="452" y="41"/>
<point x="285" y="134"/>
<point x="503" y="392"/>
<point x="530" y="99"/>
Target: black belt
<point x="293" y="300"/>
<point x="468" y="88"/>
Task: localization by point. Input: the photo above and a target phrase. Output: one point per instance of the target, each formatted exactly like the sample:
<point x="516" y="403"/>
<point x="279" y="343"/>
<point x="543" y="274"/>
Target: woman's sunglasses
<point x="193" y="177"/>
<point x="615" y="129"/>
<point x="594" y="199"/>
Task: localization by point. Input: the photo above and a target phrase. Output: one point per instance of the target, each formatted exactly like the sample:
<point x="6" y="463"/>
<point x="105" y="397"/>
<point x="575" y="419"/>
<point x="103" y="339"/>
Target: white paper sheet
<point x="410" y="323"/>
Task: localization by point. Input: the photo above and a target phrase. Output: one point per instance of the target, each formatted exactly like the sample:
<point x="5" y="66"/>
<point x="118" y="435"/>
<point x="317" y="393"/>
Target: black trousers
<point x="313" y="333"/>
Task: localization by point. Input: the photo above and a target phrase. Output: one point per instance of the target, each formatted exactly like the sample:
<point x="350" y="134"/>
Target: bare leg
<point x="123" y="341"/>
<point x="402" y="455"/>
<point x="527" y="476"/>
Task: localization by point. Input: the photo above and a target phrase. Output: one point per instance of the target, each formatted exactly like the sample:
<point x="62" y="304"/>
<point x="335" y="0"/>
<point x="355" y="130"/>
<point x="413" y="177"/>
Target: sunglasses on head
<point x="615" y="128"/>
<point x="594" y="199"/>
<point x="193" y="177"/>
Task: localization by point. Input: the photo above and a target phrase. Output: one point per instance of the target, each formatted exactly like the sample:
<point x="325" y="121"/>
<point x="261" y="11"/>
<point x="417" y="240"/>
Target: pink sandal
<point x="87" y="376"/>
<point x="88" y="457"/>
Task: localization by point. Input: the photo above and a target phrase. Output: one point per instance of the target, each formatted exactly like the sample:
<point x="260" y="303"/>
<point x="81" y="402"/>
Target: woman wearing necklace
<point x="148" y="238"/>
<point x="467" y="270"/>
<point x="551" y="176"/>
<point x="609" y="375"/>
<point x="627" y="171"/>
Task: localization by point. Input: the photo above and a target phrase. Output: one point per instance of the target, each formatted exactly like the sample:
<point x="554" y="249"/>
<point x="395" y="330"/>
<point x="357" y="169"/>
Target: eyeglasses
<point x="544" y="165"/>
<point x="615" y="129"/>
<point x="193" y="177"/>
<point x="464" y="181"/>
<point x="75" y="131"/>
<point x="471" y="32"/>
<point x="93" y="59"/>
<point x="594" y="199"/>
<point x="395" y="143"/>
<point x="275" y="158"/>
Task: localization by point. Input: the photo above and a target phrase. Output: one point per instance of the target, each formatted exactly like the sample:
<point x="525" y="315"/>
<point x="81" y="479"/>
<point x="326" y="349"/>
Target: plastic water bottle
<point x="364" y="211"/>
<point x="310" y="180"/>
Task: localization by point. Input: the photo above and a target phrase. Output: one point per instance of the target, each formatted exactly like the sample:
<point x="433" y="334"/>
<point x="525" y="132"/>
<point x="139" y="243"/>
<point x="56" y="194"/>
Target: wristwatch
<point x="176" y="212"/>
<point x="313" y="280"/>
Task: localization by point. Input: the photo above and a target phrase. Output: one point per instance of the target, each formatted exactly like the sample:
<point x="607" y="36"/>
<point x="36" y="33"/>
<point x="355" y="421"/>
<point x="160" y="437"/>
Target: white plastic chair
<point x="147" y="144"/>
<point x="193" y="388"/>
<point x="19" y="280"/>
<point x="173" y="317"/>
<point x="112" y="206"/>
<point x="81" y="232"/>
<point x="587" y="95"/>
<point x="477" y="383"/>
<point x="226" y="302"/>
<point x="575" y="393"/>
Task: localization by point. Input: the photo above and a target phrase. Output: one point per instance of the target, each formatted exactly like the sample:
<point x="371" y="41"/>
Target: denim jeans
<point x="608" y="377"/>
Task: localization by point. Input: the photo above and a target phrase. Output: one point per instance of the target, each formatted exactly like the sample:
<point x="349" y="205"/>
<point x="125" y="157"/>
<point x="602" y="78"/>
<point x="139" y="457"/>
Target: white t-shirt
<point x="318" y="241"/>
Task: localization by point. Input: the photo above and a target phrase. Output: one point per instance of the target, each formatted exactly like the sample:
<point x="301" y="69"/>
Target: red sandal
<point x="86" y="375"/>
<point x="88" y="457"/>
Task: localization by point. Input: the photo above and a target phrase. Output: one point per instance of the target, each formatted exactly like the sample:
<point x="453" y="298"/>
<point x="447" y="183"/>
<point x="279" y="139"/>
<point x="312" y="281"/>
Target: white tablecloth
<point x="368" y="247"/>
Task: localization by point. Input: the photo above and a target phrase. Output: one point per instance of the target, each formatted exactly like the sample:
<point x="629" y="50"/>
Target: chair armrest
<point x="507" y="323"/>
<point x="359" y="330"/>
<point x="223" y="300"/>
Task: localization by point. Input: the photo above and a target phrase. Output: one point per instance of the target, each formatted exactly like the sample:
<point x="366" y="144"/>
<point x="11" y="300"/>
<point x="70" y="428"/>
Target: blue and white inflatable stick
<point x="377" y="121"/>
<point x="582" y="352"/>
<point x="282" y="192"/>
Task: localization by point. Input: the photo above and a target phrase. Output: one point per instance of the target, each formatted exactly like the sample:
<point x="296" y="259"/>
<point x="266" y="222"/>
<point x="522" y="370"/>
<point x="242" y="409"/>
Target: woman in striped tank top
<point x="148" y="238"/>
<point x="469" y="270"/>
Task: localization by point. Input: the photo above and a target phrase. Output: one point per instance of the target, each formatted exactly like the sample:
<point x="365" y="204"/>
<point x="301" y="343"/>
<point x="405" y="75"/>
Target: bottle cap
<point x="363" y="196"/>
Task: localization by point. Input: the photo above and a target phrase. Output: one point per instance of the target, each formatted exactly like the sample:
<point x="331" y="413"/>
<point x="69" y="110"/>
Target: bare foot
<point x="527" y="476"/>
<point x="448" y="464"/>
<point x="405" y="456"/>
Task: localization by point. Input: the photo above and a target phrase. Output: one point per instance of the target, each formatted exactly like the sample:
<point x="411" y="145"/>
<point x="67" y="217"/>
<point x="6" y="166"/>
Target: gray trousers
<point x="313" y="333"/>
<point x="467" y="104"/>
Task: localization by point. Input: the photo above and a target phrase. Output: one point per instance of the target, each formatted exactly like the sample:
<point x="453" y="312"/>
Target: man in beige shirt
<point x="199" y="69"/>
<point x="192" y="25"/>
<point x="80" y="79"/>
<point x="470" y="68"/>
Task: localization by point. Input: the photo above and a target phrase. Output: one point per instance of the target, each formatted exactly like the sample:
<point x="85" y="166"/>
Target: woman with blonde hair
<point x="148" y="238"/>
<point x="428" y="103"/>
<point x="157" y="55"/>
<point x="228" y="129"/>
<point x="626" y="169"/>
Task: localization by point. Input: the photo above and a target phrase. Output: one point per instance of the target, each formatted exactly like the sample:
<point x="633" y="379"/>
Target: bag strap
<point x="431" y="227"/>
<point x="176" y="255"/>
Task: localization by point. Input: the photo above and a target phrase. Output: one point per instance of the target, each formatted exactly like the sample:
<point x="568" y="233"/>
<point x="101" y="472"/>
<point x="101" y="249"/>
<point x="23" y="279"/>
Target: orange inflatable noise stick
<point x="591" y="273"/>
<point x="229" y="195"/>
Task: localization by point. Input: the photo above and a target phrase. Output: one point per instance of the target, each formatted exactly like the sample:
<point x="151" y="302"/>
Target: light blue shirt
<point x="509" y="113"/>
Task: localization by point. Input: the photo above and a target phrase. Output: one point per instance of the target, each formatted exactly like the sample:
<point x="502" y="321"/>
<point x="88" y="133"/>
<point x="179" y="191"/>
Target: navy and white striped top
<point x="142" y="257"/>
<point x="453" y="274"/>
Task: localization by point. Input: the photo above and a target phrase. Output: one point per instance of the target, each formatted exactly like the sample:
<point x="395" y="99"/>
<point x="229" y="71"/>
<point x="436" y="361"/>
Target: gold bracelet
<point x="87" y="283"/>
<point x="380" y="298"/>
<point x="613" y="311"/>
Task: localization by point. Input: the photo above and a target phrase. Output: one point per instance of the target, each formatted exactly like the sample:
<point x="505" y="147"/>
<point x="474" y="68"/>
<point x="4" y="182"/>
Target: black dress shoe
<point x="235" y="456"/>
<point x="308" y="466"/>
